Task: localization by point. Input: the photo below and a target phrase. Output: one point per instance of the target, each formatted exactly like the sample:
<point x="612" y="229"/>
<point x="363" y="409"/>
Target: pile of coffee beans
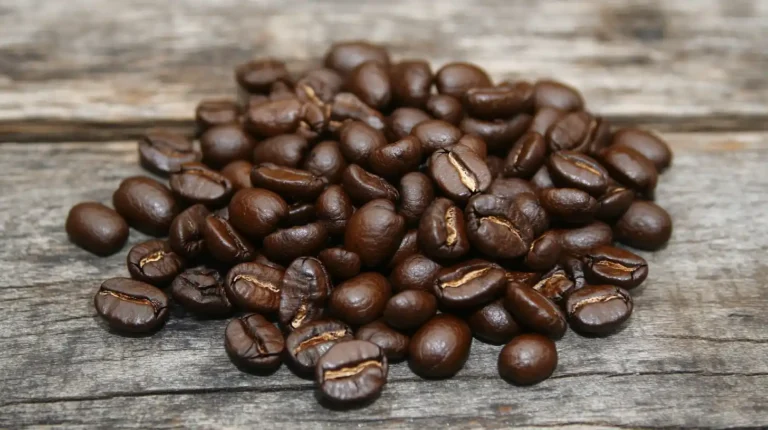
<point x="370" y="211"/>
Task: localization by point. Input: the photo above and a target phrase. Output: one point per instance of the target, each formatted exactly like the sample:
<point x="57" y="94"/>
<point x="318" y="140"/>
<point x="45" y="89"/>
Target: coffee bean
<point x="526" y="156"/>
<point x="532" y="309"/>
<point x="186" y="233"/>
<point x="274" y="118"/>
<point x="615" y="266"/>
<point x="648" y="144"/>
<point x="393" y="343"/>
<point x="162" y="151"/>
<point x="374" y="232"/>
<point x="541" y="180"/>
<point x="410" y="309"/>
<point x="290" y="243"/>
<point x="614" y="202"/>
<point x="440" y="348"/>
<point x="370" y="83"/>
<point x="570" y="169"/>
<point x="256" y="212"/>
<point x="436" y="134"/>
<point x="493" y="324"/>
<point x="401" y="122"/>
<point x="495" y="164"/>
<point x="358" y="141"/>
<point x="253" y="343"/>
<point x="544" y="119"/>
<point x="416" y="272"/>
<point x="239" y="174"/>
<point x="630" y="168"/>
<point x="154" y="262"/>
<point x="569" y="204"/>
<point x="346" y="106"/>
<point x="363" y="186"/>
<point x="96" y="228"/>
<point x="645" y="225"/>
<point x="351" y="372"/>
<point x="530" y="206"/>
<point x="557" y="95"/>
<point x="408" y="246"/>
<point x="528" y="359"/>
<point x="574" y="267"/>
<point x="555" y="285"/>
<point x="281" y="91"/>
<point x="361" y="299"/>
<point x="131" y="306"/>
<point x="224" y="144"/>
<point x="286" y="181"/>
<point x="524" y="92"/>
<point x="578" y="241"/>
<point x="326" y="160"/>
<point x="224" y="243"/>
<point x="499" y="133"/>
<point x="510" y="188"/>
<point x="196" y="183"/>
<point x="146" y="205"/>
<point x="416" y="193"/>
<point x="544" y="252"/>
<point x="210" y="113"/>
<point x="459" y="172"/>
<point x="396" y="159"/>
<point x="442" y="232"/>
<point x="334" y="208"/>
<point x="598" y="309"/>
<point x="300" y="213"/>
<point x="306" y="287"/>
<point x="200" y="290"/>
<point x="455" y="79"/>
<point x="343" y="57"/>
<point x="284" y="150"/>
<point x="575" y="131"/>
<point x="254" y="287"/>
<point x="446" y="108"/>
<point x="411" y="83"/>
<point x="525" y="279"/>
<point x="474" y="143"/>
<point x="306" y="344"/>
<point x="258" y="76"/>
<point x="340" y="263"/>
<point x="319" y="86"/>
<point x="470" y="283"/>
<point x="496" y="102"/>
<point x="496" y="228"/>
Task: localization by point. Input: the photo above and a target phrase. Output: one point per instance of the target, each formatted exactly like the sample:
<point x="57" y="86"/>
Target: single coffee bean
<point x="239" y="174"/>
<point x="555" y="285"/>
<point x="393" y="343"/>
<point x="442" y="231"/>
<point x="361" y="299"/>
<point x="598" y="309"/>
<point x="645" y="225"/>
<point x="496" y="102"/>
<point x="306" y="287"/>
<point x="288" y="244"/>
<point x="359" y="140"/>
<point x="440" y="347"/>
<point x="493" y="324"/>
<point x="614" y="202"/>
<point x="416" y="272"/>
<point x="284" y="150"/>
<point x="374" y="232"/>
<point x="547" y="93"/>
<point x="274" y="118"/>
<point x="256" y="212"/>
<point x="146" y="205"/>
<point x="436" y="134"/>
<point x="530" y="206"/>
<point x="96" y="228"/>
<point x="410" y="309"/>
<point x="334" y="208"/>
<point x="131" y="306"/>
<point x="258" y="76"/>
<point x="306" y="344"/>
<point x="319" y="86"/>
<point x="615" y="266"/>
<point x="532" y="309"/>
<point x="570" y="169"/>
<point x="476" y="144"/>
<point x="281" y="91"/>
<point x="497" y="228"/>
<point x="396" y="159"/>
<point x="459" y="172"/>
<point x="630" y="168"/>
<point x="470" y="283"/>
<point x="343" y="57"/>
<point x="300" y="213"/>
<point x="287" y="181"/>
<point x="163" y="151"/>
<point x="574" y="268"/>
<point x="510" y="188"/>
<point x="325" y="160"/>
<point x="154" y="262"/>
<point x="363" y="186"/>
<point x="196" y="183"/>
<point x="370" y="83"/>
<point x="499" y="133"/>
<point x="602" y="137"/>
<point x="200" y="290"/>
<point x="495" y="164"/>
<point x="224" y="144"/>
<point x="224" y="243"/>
<point x="541" y="180"/>
<point x="408" y="246"/>
<point x="411" y="83"/>
<point x="254" y="287"/>
<point x="526" y="156"/>
<point x="402" y="121"/>
<point x="346" y="106"/>
<point x="455" y="79"/>
<point x="416" y="193"/>
<point x="524" y="92"/>
<point x="340" y="263"/>
<point x="210" y="113"/>
<point x="185" y="236"/>
<point x="253" y="343"/>
<point x="569" y="204"/>
<point x="578" y="241"/>
<point x="544" y="119"/>
<point x="528" y="359"/>
<point x="525" y="279"/>
<point x="544" y="252"/>
<point x="446" y="108"/>
<point x="648" y="144"/>
<point x="351" y="372"/>
<point x="575" y="131"/>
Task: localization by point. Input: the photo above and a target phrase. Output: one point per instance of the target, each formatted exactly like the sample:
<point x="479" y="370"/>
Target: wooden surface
<point x="693" y="355"/>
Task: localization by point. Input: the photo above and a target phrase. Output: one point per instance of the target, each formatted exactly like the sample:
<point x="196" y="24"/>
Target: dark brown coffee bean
<point x="154" y="262"/>
<point x="224" y="243"/>
<point x="200" y="290"/>
<point x="544" y="252"/>
<point x="358" y="141"/>
<point x="468" y="284"/>
<point x="186" y="234"/>
<point x="495" y="164"/>
<point x="340" y="263"/>
<point x="476" y="144"/>
<point x="555" y="285"/>
<point x="541" y="180"/>
<point x="578" y="241"/>
<point x="575" y="131"/>
<point x="370" y="83"/>
<point x="544" y="119"/>
<point x="131" y="306"/>
<point x="614" y="202"/>
<point x="493" y="324"/>
<point x="416" y="272"/>
<point x="529" y="205"/>
<point x="162" y="151"/>
<point x="374" y="232"/>
<point x="411" y="83"/>
<point x="446" y="108"/>
<point x="256" y="212"/>
<point x="351" y="372"/>
<point x="210" y="113"/>
<point x="598" y="309"/>
<point x="305" y="345"/>
<point x="281" y="91"/>
<point x="146" y="205"/>
<point x="498" y="134"/>
<point x="525" y="279"/>
<point x="645" y="225"/>
<point x="574" y="268"/>
<point x="497" y="228"/>
<point x="363" y="186"/>
<point x="274" y="118"/>
<point x="346" y="106"/>
<point x="254" y="287"/>
<point x="334" y="208"/>
<point x="455" y="79"/>
<point x="459" y="172"/>
<point x="510" y="188"/>
<point x="326" y="160"/>
<point x="532" y="309"/>
<point x="295" y="183"/>
<point x="436" y="134"/>
<point x="408" y="246"/>
<point x="224" y="144"/>
<point x="284" y="150"/>
<point x="524" y="92"/>
<point x="569" y="204"/>
<point x="343" y="57"/>
<point x="615" y="266"/>
<point x="319" y="86"/>
<point x="648" y="144"/>
<point x="396" y="159"/>
<point x="258" y="76"/>
<point x="442" y="232"/>
<point x="440" y="348"/>
<point x="496" y="102"/>
<point x="96" y="228"/>
<point x="416" y="193"/>
<point x="287" y="244"/>
<point x="527" y="359"/>
<point x="410" y="309"/>
<point x="253" y="343"/>
<point x="526" y="156"/>
<point x="299" y="214"/>
<point x="557" y="95"/>
<point x="196" y="183"/>
<point x="361" y="299"/>
<point x="393" y="343"/>
<point x="402" y="121"/>
<point x="571" y="169"/>
<point x="305" y="290"/>
<point x="630" y="168"/>
<point x="239" y="174"/>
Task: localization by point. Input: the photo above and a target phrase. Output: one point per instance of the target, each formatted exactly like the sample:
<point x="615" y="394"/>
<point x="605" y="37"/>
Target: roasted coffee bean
<point x="306" y="287"/>
<point x="200" y="290"/>
<point x="571" y="169"/>
<point x="495" y="164"/>
<point x="510" y="188"/>
<point x="361" y="299"/>
<point x="274" y="118"/>
<point x="286" y="181"/>
<point x="224" y="144"/>
<point x="351" y="372"/>
<point x="455" y="79"/>
<point x="262" y="259"/>
<point x="374" y="232"/>
<point x="96" y="228"/>
<point x="496" y="102"/>
<point x="410" y="309"/>
<point x="526" y="156"/>
<point x="196" y="183"/>
<point x="154" y="262"/>
<point x="131" y="306"/>
<point x="524" y="92"/>
<point x="416" y="272"/>
<point x="258" y="76"/>
<point x="340" y="263"/>
<point x="344" y="57"/>
<point x="253" y="343"/>
<point x="541" y="180"/>
<point x="547" y="93"/>
<point x="470" y="283"/>
<point x="526" y="279"/>
<point x="402" y="121"/>
<point x="162" y="151"/>
<point x="363" y="186"/>
<point x="254" y="287"/>
<point x="319" y="86"/>
<point x="396" y="159"/>
<point x="306" y="344"/>
<point x="299" y="214"/>
<point x="555" y="285"/>
<point x="436" y="134"/>
<point x="598" y="309"/>
<point x="411" y="83"/>
<point x="602" y="137"/>
<point x="630" y="168"/>
<point x="393" y="343"/>
<point x="416" y="193"/>
<point x="569" y="204"/>
<point x="615" y="266"/>
<point x="239" y="174"/>
<point x="408" y="246"/>
<point x="544" y="252"/>
<point x="528" y="359"/>
<point x="530" y="206"/>
<point x="370" y="83"/>
<point x="533" y="310"/>
<point x="358" y="141"/>
<point x="146" y="205"/>
<point x="440" y="348"/>
<point x="281" y="91"/>
<point x="446" y="108"/>
<point x="186" y="233"/>
<point x="346" y="106"/>
<point x="648" y="144"/>
<point x="578" y="241"/>
<point x="442" y="232"/>
<point x="476" y="144"/>
<point x="256" y="212"/>
<point x="288" y="244"/>
<point x="459" y="172"/>
<point x="645" y="225"/>
<point x="497" y="134"/>
<point x="224" y="243"/>
<point x="544" y="119"/>
<point x="497" y="228"/>
<point x="493" y="324"/>
<point x="334" y="208"/>
<point x="326" y="160"/>
<point x="283" y="150"/>
<point x="614" y="202"/>
<point x="210" y="113"/>
<point x="574" y="131"/>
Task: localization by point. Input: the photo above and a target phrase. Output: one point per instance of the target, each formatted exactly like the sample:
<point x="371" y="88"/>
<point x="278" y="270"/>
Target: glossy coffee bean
<point x="440" y="347"/>
<point x="455" y="79"/>
<point x="295" y="183"/>
<point x="510" y="188"/>
<point x="340" y="263"/>
<point x="224" y="144"/>
<point x="497" y="134"/>
<point x="541" y="180"/>
<point x="410" y="309"/>
<point x="411" y="83"/>
<point x="533" y="310"/>
<point x="154" y="262"/>
<point x="210" y="113"/>
<point x="396" y="159"/>
<point x="96" y="228"/>
<point x="523" y="94"/>
<point x="401" y="122"/>
<point x="470" y="283"/>
<point x="555" y="285"/>
<point x="497" y="228"/>
<point x="530" y="206"/>
<point x="305" y="290"/>
<point x="495" y="164"/>
<point x="615" y="266"/>
<point x="359" y="140"/>
<point x="196" y="183"/>
<point x="556" y="95"/>
<point x="614" y="202"/>
<point x="363" y="186"/>
<point x="288" y="244"/>
<point x="224" y="243"/>
<point x="408" y="246"/>
<point x="569" y="204"/>
<point x="445" y="107"/>
<point x="361" y="299"/>
<point x="131" y="306"/>
<point x="570" y="169"/>
<point x="598" y="309"/>
<point x="258" y="76"/>
<point x="648" y="144"/>
<point x="326" y="160"/>
<point x="283" y="150"/>
<point x="393" y="343"/>
<point x="162" y="151"/>
<point x="346" y="106"/>
<point x="645" y="225"/>
<point x="305" y="345"/>
<point x="544" y="118"/>
<point x="274" y="118"/>
<point x="525" y="279"/>
<point x="416" y="272"/>
<point x="200" y="290"/>
<point x="528" y="359"/>
<point x="146" y="205"/>
<point x="319" y="86"/>
<point x="495" y="102"/>
<point x="544" y="251"/>
<point x="253" y="343"/>
<point x="370" y="83"/>
<point x="254" y="287"/>
<point x="574" y="131"/>
<point x="257" y="212"/>
<point x="300" y="213"/>
<point x="239" y="174"/>
<point x="459" y="172"/>
<point x="630" y="168"/>
<point x="526" y="156"/>
<point x="351" y="372"/>
<point x="374" y="232"/>
<point x="333" y="209"/>
<point x="476" y="144"/>
<point x="574" y="268"/>
<point x="493" y="323"/>
<point x="416" y="193"/>
<point x="185" y="236"/>
<point x="578" y="241"/>
<point x="442" y="231"/>
<point x="343" y="57"/>
<point x="436" y="134"/>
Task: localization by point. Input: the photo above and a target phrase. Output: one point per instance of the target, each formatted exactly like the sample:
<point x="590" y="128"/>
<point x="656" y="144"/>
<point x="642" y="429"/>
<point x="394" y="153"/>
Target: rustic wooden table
<point x="79" y="79"/>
